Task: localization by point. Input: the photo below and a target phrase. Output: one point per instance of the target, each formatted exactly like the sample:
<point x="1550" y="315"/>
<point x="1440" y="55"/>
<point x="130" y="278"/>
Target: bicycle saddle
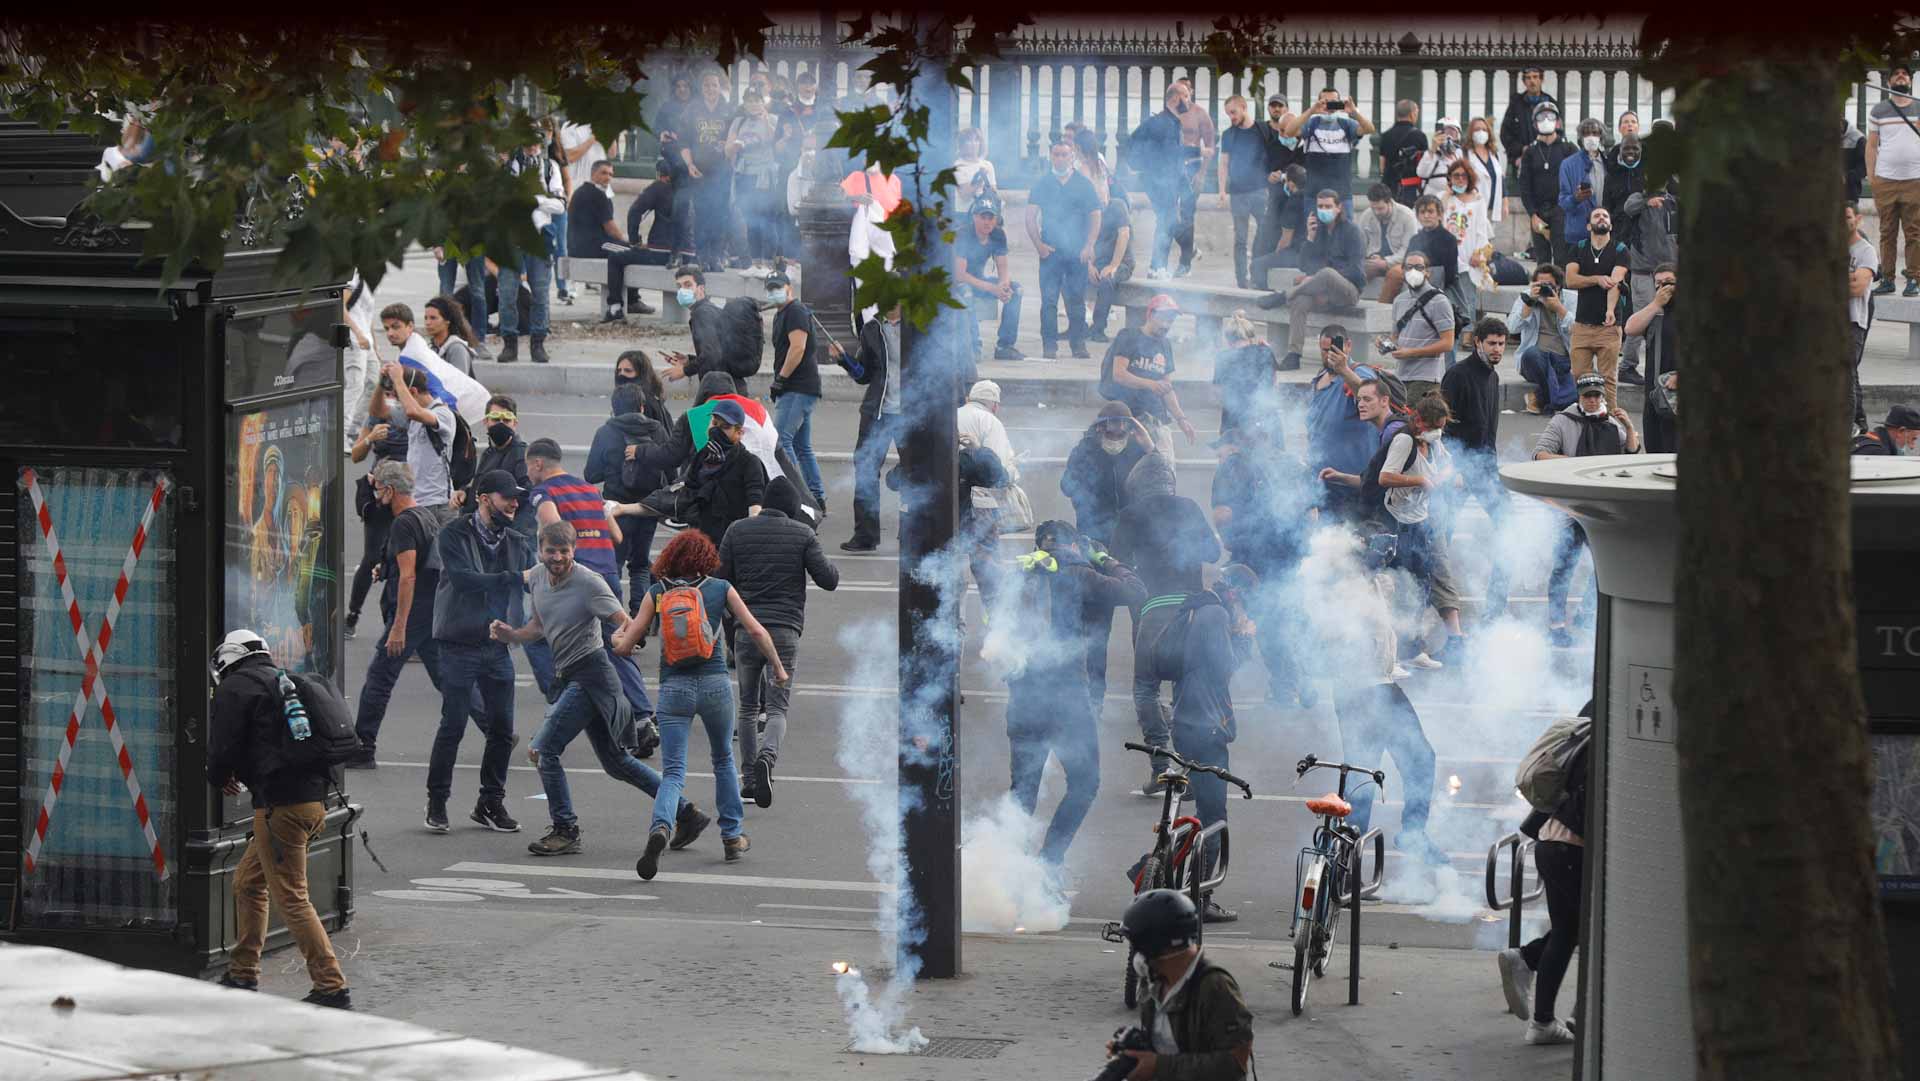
<point x="1330" y="804"/>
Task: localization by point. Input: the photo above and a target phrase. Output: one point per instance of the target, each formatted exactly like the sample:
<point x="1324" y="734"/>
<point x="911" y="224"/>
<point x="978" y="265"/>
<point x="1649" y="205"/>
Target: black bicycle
<point x="1178" y="840"/>
<point x="1324" y="873"/>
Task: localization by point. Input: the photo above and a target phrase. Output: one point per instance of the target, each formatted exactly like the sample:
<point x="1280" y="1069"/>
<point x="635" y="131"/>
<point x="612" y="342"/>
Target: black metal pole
<point x="929" y="517"/>
<point x="1353" y="939"/>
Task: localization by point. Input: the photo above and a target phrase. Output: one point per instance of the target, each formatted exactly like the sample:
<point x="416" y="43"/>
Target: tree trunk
<point x="1789" y="968"/>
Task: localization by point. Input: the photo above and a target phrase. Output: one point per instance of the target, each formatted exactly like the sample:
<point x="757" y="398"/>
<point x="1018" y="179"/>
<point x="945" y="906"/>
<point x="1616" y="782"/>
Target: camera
<point x="1542" y="289"/>
<point x="1529" y="300"/>
<point x="1336" y="106"/>
<point x="1131" y="1038"/>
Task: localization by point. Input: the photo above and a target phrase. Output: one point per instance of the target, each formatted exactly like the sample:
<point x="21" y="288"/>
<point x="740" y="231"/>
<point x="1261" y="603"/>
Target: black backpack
<point x="743" y="339"/>
<point x="331" y="741"/>
<point x="460" y="463"/>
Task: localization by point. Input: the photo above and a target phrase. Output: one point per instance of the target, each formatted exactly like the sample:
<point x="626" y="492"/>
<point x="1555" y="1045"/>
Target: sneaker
<point x="688" y="825"/>
<point x="1080" y="353"/>
<point x="1550" y="1033"/>
<point x="1290" y="363"/>
<point x="509" y="349"/>
<point x="564" y="297"/>
<point x="1912" y="290"/>
<point x="559" y="841"/>
<point x="353" y="620"/>
<point x="1211" y="912"/>
<point x="1183" y="270"/>
<point x="1533" y="403"/>
<point x="240" y="983"/>
<point x="648" y="864"/>
<point x="736" y="847"/>
<point x="1885" y="288"/>
<point x="332" y="1000"/>
<point x="641" y="307"/>
<point x="493" y="815"/>
<point x="1398" y="674"/>
<point x="763" y="780"/>
<point x="363" y="760"/>
<point x="1272" y="300"/>
<point x="1008" y="352"/>
<point x="1516" y="981"/>
<point x="1425" y="662"/>
<point x="1049" y="352"/>
<point x="1099" y="337"/>
<point x="1159" y="274"/>
<point x="747" y="789"/>
<point x="613" y="316"/>
<point x="1560" y="637"/>
<point x="436" y="815"/>
<point x="858" y="545"/>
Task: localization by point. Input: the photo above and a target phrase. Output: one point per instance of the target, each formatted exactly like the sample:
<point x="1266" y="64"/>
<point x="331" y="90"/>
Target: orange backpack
<point x="686" y="635"/>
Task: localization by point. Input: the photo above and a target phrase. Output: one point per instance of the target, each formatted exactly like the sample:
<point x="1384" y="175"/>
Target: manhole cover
<point x="960" y="1047"/>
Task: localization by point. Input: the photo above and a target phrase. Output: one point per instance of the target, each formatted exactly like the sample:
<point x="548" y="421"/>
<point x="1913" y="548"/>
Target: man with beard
<point x="1472" y="390"/>
<point x="1585" y="428"/>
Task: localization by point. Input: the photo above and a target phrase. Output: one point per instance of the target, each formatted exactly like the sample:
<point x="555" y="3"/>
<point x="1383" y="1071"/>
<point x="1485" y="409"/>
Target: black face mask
<point x="1902" y="87"/>
<point x="501" y="434"/>
<point x="622" y="380"/>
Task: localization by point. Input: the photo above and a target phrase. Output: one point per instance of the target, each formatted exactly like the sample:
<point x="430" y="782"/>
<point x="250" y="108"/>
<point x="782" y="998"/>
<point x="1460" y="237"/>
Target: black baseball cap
<point x="499" y="482"/>
<point x="1591" y="383"/>
<point x="1903" y="416"/>
<point x="779" y="277"/>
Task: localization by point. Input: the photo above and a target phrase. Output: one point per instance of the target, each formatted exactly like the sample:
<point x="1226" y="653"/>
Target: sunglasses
<point x="501" y="416"/>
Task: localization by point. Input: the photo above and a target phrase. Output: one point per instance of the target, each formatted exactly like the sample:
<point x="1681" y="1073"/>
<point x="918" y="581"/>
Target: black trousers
<point x="373" y="533"/>
<point x="1550" y="954"/>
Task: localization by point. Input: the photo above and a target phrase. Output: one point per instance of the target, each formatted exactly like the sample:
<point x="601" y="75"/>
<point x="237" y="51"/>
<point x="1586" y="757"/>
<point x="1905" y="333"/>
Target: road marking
<point x="1086" y="921"/>
<point x="626" y="874"/>
<point x="780" y="779"/>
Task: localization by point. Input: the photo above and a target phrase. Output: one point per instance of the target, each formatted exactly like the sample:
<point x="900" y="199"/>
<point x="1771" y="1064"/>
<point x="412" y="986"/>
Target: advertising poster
<point x="277" y="578"/>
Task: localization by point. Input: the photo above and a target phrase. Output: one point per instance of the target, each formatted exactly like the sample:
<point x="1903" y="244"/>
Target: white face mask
<point x="1479" y="138"/>
<point x="1430" y="437"/>
<point x="1599" y="408"/>
<point x="1546" y="126"/>
<point x="1113" y="446"/>
<point x="1416" y="277"/>
<point x="1140" y="967"/>
<point x="1591" y="143"/>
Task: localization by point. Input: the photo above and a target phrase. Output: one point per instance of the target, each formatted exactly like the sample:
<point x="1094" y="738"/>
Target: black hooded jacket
<point x="628" y="427"/>
<point x="769" y="557"/>
<point x="1165" y="537"/>
<point x="667" y="457"/>
<point x="1095" y="483"/>
<point x="247" y="714"/>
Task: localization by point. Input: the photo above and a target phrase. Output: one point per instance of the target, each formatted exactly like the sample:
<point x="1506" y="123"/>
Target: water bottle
<point x="296" y="710"/>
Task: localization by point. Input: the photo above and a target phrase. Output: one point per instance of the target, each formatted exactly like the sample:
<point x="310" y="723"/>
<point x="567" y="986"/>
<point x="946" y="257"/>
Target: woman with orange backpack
<point x="693" y="680"/>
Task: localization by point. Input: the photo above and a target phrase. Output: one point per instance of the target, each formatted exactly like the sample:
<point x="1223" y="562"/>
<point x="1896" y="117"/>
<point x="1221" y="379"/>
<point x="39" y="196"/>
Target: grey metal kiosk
<point x="1634" y="973"/>
<point x="169" y="469"/>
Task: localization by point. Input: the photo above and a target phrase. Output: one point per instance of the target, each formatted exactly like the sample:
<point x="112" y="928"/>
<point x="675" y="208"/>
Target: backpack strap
<point x="1420" y="307"/>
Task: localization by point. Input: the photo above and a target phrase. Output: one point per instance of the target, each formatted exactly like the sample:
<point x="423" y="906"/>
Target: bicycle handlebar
<point x="1310" y="763"/>
<point x="1169" y="754"/>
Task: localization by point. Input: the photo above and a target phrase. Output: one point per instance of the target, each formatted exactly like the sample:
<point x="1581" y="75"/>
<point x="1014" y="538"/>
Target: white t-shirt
<point x="1860" y="253"/>
<point x="574" y="136"/>
<point x="1465" y="216"/>
<point x="1409" y="505"/>
<point x="1899" y="154"/>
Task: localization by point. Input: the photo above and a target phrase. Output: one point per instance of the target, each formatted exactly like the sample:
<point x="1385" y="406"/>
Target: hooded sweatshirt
<point x="1095" y="482"/>
<point x="1574" y="434"/>
<point x="629" y="426"/>
<point x="1165" y="537"/>
<point x="677" y="451"/>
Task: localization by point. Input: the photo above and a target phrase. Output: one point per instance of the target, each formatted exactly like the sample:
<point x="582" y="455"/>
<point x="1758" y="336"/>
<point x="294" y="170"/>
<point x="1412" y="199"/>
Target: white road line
<point x="782" y="778"/>
<point x="1083" y="920"/>
<point x="626" y="874"/>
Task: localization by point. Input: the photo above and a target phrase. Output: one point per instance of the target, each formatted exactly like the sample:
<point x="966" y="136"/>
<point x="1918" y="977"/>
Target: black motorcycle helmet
<point x="1159" y="922"/>
<point x="1237" y="582"/>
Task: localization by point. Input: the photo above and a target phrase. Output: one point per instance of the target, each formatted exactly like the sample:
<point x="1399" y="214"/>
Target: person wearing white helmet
<point x="978" y="425"/>
<point x="289" y="808"/>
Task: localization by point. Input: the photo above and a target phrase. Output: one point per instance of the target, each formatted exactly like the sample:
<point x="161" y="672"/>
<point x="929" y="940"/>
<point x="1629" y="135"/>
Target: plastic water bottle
<point x="296" y="710"/>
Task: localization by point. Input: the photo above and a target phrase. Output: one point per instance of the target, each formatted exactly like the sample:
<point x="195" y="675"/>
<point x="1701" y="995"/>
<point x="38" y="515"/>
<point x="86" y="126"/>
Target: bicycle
<point x="1173" y="864"/>
<point x="1324" y="873"/>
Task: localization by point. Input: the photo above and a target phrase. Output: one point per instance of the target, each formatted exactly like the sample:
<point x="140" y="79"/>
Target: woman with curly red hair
<point x="688" y="601"/>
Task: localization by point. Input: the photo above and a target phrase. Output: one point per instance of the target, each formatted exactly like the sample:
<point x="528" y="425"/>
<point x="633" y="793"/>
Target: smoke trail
<point x="1008" y="887"/>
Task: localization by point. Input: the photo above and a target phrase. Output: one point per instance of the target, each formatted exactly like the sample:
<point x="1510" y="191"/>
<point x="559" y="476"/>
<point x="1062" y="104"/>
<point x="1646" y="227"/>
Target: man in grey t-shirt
<point x="568" y="607"/>
<point x="430" y="431"/>
<point x="1863" y="262"/>
<point x="1423" y="328"/>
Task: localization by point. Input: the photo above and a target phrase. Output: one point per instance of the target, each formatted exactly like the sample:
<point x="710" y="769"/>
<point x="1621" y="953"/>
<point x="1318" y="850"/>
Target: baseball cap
<point x="729" y="413"/>
<point x="986" y="390"/>
<point x="1903" y="416"/>
<point x="779" y="277"/>
<point x="499" y="482"/>
<point x="1276" y="100"/>
<point x="1161" y="302"/>
<point x="986" y="206"/>
<point x="1591" y="383"/>
<point x="1447" y="122"/>
<point x="1113" y="411"/>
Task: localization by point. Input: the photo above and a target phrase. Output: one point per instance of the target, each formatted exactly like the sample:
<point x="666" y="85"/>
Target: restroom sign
<point x="1650" y="715"/>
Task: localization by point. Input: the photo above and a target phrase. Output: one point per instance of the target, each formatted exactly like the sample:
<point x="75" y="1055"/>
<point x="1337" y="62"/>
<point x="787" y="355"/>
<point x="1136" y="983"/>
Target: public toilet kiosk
<point x="1638" y="1020"/>
<point x="169" y="470"/>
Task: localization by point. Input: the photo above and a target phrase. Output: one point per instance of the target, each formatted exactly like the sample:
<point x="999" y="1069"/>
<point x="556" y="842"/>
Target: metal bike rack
<point x="1515" y="901"/>
<point x="1199" y="854"/>
<point x="1362" y="889"/>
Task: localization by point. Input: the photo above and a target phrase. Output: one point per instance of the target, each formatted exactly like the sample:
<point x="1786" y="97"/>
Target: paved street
<point x="757" y="936"/>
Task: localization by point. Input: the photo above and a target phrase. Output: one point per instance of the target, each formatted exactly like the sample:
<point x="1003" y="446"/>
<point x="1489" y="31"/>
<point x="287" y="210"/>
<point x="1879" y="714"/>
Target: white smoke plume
<point x="1007" y="886"/>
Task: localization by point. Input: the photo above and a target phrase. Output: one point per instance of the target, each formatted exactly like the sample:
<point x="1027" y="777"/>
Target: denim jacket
<point x="1524" y="320"/>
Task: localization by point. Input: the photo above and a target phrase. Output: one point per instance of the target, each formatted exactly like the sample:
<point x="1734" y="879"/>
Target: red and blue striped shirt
<point x="581" y="504"/>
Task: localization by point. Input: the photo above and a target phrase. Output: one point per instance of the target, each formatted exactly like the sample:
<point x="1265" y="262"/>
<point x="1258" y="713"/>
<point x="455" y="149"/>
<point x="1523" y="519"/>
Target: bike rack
<point x="1515" y="901"/>
<point x="1199" y="850"/>
<point x="1362" y="889"/>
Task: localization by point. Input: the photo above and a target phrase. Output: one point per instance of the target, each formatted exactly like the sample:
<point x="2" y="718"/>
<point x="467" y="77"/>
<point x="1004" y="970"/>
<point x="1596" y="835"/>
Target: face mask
<point x="1417" y="278"/>
<point x="1902" y="87"/>
<point x="1430" y="437"/>
<point x="1546" y="126"/>
<point x="1911" y="450"/>
<point x="1479" y="138"/>
<point x="622" y="380"/>
<point x="1326" y="216"/>
<point x="1140" y="968"/>
<point x="1459" y="189"/>
<point x="685" y="297"/>
<point x="1289" y="141"/>
<point x="776" y="296"/>
<point x="1591" y="143"/>
<point x="501" y="434"/>
<point x="1063" y="171"/>
<point x="806" y="99"/>
<point x="1631" y="163"/>
<point x="1113" y="446"/>
<point x="1599" y="408"/>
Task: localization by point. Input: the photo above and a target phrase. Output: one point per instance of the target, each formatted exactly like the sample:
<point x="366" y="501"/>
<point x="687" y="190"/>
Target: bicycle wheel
<point x="1302" y="964"/>
<point x="1329" y="922"/>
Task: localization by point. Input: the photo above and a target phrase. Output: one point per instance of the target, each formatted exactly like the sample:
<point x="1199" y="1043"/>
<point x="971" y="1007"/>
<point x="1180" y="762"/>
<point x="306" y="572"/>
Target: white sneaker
<point x="1516" y="979"/>
<point x="1160" y="275"/>
<point x="1550" y="1033"/>
<point x="1398" y="674"/>
<point x="1426" y="662"/>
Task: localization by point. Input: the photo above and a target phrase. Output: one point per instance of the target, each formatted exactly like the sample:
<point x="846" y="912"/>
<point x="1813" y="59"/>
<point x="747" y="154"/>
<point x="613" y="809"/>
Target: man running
<point x="567" y="610"/>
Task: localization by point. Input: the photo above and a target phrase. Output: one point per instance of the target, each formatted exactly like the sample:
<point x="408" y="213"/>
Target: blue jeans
<point x="1375" y="721"/>
<point x="1063" y="277"/>
<point x="572" y="714"/>
<point x="382" y="674"/>
<point x="978" y="299"/>
<point x="1049" y="715"/>
<point x="476" y="288"/>
<point x="539" y="274"/>
<point x="1207" y="745"/>
<point x="476" y="680"/>
<point x="1552" y="377"/>
<point x="636" y="548"/>
<point x="1480" y="469"/>
<point x="793" y="418"/>
<point x="1566" y="557"/>
<point x="869" y="454"/>
<point x="681" y="697"/>
<point x="557" y="244"/>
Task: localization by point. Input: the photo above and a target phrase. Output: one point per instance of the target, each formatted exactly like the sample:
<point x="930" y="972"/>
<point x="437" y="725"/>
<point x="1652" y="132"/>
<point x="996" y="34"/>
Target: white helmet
<point x="234" y="648"/>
